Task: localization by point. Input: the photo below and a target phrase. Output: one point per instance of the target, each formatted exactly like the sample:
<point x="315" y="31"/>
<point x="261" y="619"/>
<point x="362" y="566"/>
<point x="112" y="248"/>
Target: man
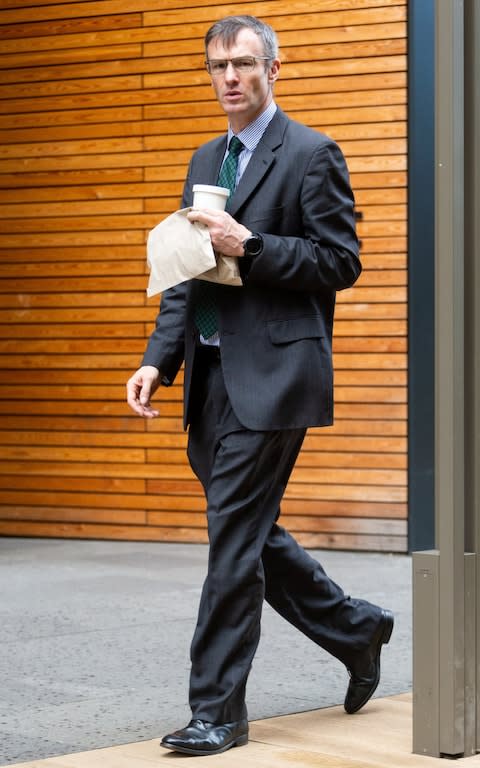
<point x="256" y="380"/>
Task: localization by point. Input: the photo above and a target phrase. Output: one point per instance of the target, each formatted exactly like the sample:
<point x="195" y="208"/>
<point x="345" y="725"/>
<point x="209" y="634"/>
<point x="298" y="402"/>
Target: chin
<point x="229" y="107"/>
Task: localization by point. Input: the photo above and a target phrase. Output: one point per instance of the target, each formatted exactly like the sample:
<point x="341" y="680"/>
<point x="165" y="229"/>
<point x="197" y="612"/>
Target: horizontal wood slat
<point x="101" y="106"/>
<point x="173" y="11"/>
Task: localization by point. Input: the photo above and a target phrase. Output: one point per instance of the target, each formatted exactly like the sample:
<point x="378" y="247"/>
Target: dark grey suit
<point x="248" y="413"/>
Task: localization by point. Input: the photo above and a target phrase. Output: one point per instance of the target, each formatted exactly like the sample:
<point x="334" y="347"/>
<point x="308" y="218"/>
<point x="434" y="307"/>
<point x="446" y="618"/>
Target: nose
<point x="230" y="72"/>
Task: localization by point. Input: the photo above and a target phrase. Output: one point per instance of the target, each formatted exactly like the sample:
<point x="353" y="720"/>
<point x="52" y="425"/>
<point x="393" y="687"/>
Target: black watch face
<point x="253" y="245"/>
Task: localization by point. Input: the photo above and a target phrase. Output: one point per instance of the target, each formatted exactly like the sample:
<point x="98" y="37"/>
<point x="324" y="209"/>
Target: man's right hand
<point x="140" y="388"/>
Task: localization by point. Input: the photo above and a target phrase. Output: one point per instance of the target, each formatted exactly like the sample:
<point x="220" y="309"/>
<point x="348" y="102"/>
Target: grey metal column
<point x="449" y="370"/>
<point x="472" y="318"/>
<point x="445" y="603"/>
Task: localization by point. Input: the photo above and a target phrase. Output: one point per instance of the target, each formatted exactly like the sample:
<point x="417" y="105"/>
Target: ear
<point x="274" y="71"/>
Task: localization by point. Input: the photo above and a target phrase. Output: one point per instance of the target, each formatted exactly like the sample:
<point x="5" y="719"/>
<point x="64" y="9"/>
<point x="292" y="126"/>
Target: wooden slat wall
<point x="101" y="105"/>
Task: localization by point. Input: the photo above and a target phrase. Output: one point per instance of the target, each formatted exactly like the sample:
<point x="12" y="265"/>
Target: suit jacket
<point x="275" y="330"/>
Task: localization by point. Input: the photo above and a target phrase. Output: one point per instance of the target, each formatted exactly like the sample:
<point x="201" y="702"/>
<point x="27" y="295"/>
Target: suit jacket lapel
<point x="260" y="162"/>
<point x="215" y="161"/>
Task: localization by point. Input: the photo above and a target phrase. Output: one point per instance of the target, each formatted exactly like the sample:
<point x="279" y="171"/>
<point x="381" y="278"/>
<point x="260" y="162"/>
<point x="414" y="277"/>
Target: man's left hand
<point x="226" y="234"/>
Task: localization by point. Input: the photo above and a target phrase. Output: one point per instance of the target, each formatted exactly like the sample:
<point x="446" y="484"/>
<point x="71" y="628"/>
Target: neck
<point x="238" y="122"/>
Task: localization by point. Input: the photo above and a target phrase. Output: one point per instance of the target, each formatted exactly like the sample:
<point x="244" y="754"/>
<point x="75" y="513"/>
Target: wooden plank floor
<point x="378" y="737"/>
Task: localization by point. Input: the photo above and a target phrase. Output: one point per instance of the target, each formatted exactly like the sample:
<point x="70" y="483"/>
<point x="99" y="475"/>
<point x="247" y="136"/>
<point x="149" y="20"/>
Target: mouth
<point x="233" y="95"/>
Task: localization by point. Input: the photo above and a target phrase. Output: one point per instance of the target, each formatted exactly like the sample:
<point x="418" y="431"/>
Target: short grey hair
<point x="228" y="28"/>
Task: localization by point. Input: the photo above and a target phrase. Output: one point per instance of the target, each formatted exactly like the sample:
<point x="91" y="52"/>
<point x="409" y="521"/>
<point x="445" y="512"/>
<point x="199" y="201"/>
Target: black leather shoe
<point x="365" y="674"/>
<point x="202" y="738"/>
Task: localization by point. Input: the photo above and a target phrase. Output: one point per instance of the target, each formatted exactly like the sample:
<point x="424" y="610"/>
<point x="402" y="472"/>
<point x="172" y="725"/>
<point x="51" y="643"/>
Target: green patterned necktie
<point x="206" y="308"/>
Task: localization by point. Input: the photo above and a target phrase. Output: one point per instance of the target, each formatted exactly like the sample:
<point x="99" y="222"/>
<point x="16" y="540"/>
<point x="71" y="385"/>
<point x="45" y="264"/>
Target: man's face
<point x="243" y="95"/>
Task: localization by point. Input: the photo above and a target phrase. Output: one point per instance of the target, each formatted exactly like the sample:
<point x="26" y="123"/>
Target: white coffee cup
<point x="208" y="196"/>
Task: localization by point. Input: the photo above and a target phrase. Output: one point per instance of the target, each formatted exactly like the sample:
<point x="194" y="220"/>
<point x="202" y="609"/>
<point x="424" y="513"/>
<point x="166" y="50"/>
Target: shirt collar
<point x="251" y="135"/>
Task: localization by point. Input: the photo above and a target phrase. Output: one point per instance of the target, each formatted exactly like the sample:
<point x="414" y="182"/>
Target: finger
<point x="150" y="413"/>
<point x="134" y="388"/>
<point x="197" y="215"/>
<point x="205" y="215"/>
<point x="135" y="405"/>
<point x="145" y="393"/>
<point x="145" y="411"/>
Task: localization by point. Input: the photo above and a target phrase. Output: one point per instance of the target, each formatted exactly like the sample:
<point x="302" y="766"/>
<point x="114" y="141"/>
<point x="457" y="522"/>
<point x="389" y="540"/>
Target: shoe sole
<point x="384" y="638"/>
<point x="240" y="741"/>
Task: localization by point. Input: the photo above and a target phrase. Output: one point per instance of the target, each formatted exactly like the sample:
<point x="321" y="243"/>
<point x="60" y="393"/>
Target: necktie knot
<point x="235" y="146"/>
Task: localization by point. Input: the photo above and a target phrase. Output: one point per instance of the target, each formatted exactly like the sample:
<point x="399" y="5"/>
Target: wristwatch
<point x="253" y="245"/>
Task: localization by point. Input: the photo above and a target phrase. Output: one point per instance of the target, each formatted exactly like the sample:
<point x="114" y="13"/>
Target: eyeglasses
<point x="240" y="64"/>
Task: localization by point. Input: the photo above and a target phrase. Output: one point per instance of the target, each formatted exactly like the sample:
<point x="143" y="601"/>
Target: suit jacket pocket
<point x="295" y="328"/>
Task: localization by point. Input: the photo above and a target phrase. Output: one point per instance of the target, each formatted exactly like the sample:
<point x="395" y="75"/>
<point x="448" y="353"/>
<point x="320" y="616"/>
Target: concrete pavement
<point x="95" y="638"/>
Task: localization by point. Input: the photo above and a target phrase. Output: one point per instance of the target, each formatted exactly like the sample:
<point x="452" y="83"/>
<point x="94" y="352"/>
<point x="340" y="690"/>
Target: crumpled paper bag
<point x="178" y="250"/>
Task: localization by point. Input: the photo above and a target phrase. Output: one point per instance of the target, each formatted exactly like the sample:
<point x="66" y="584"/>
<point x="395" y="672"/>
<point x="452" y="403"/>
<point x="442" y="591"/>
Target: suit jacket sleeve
<point x="165" y="349"/>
